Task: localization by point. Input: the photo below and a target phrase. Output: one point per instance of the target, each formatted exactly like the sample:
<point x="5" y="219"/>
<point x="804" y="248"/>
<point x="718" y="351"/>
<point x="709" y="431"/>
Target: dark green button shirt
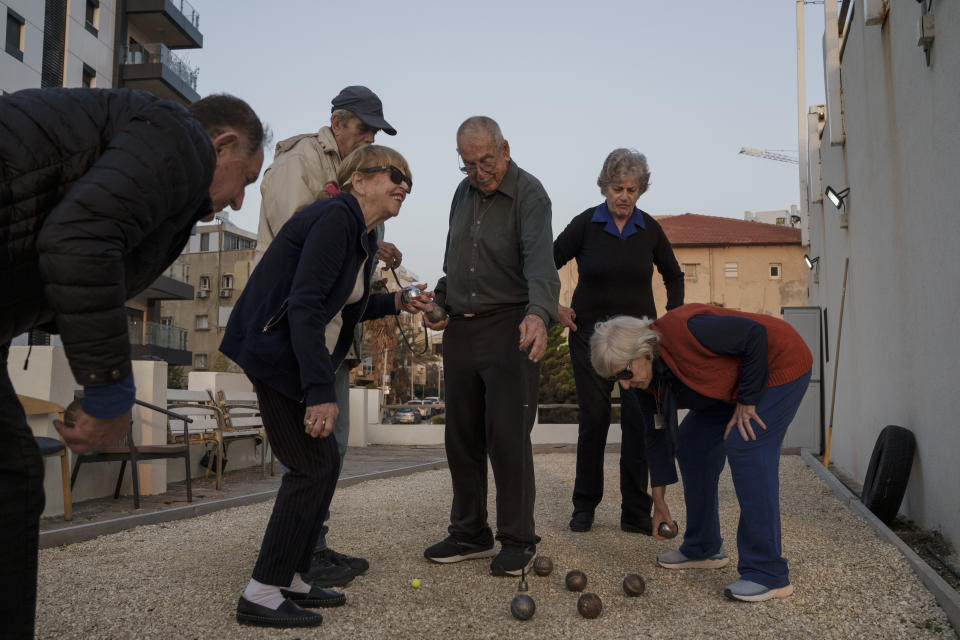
<point x="500" y="249"/>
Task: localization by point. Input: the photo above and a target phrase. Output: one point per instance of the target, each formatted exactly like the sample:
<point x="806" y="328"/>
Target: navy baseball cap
<point x="366" y="105"/>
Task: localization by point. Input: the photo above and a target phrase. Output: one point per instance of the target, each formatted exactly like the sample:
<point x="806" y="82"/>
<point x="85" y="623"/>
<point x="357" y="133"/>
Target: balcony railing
<point x="158" y="335"/>
<point x="188" y="12"/>
<point x="157" y="53"/>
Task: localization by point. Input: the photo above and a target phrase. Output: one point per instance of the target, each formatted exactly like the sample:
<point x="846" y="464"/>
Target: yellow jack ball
<point x="415" y="583"/>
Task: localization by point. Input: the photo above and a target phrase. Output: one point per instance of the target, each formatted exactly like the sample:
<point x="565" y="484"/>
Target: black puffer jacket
<point x="99" y="190"/>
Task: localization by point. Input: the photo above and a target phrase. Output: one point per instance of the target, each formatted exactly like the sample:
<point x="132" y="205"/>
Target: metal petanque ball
<point x="522" y="606"/>
<point x="439" y="314"/>
<point x="576" y="580"/>
<point x="634" y="585"/>
<point x="668" y="531"/>
<point x="543" y="566"/>
<point x="589" y="605"/>
<point x="72" y="412"/>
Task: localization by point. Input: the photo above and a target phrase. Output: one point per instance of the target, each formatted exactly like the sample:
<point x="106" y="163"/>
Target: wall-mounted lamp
<point x="835" y="197"/>
<point x="810" y="261"/>
<point x="794" y="219"/>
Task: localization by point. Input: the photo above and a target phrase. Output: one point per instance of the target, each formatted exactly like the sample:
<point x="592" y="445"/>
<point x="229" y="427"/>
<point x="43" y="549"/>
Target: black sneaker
<point x="513" y="560"/>
<point x="358" y="566"/>
<point x="452" y="550"/>
<point x="325" y="573"/>
<point x="643" y="524"/>
<point x="581" y="521"/>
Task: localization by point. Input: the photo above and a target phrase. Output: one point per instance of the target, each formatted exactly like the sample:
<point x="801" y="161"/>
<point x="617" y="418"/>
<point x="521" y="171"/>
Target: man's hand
<point x="741" y="417"/>
<point x="567" y="317"/>
<point x="389" y="253"/>
<point x="436" y="326"/>
<point x="320" y="418"/>
<point x="90" y="434"/>
<point x="533" y="335"/>
<point x="661" y="512"/>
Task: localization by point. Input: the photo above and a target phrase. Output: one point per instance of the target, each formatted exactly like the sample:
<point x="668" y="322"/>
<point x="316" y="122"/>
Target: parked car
<point x="407" y="415"/>
<point x="421" y="407"/>
<point x="436" y="406"/>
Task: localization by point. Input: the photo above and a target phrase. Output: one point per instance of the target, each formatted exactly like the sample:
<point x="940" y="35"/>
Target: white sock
<point x="263" y="594"/>
<point x="298" y="585"/>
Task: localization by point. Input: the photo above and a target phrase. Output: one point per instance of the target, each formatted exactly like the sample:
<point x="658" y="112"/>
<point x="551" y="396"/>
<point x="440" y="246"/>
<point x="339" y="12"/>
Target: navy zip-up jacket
<point x="276" y="330"/>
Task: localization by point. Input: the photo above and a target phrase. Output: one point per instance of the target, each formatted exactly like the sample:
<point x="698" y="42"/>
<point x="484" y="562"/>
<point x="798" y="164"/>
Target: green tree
<point x="556" y="378"/>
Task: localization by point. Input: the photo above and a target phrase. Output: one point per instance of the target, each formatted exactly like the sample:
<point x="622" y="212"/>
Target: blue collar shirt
<point x="602" y="214"/>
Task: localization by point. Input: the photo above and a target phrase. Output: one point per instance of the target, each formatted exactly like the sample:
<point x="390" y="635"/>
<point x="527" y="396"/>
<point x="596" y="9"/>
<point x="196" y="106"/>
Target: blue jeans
<point x="754" y="466"/>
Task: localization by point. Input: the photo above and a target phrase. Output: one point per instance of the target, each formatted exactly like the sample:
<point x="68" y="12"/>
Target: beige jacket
<point x="302" y="166"/>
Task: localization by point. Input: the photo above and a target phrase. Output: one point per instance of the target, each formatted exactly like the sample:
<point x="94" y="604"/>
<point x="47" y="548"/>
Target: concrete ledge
<point x="432" y="434"/>
<point x="88" y="531"/>
<point x="946" y="596"/>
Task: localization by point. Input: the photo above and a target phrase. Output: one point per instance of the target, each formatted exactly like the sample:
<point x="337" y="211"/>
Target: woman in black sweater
<point x="616" y="247"/>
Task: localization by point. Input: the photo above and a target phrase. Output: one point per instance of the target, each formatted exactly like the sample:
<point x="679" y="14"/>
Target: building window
<point x="92" y="22"/>
<point x="203" y="323"/>
<point x="226" y="281"/>
<point x="204" y="283"/>
<point x="775" y="271"/>
<point x="89" y="77"/>
<point x="690" y="271"/>
<point x="166" y="321"/>
<point x="731" y="270"/>
<point x="204" y="242"/>
<point x="782" y="221"/>
<point x="15" y="34"/>
<point x="199" y="361"/>
<point x="232" y="241"/>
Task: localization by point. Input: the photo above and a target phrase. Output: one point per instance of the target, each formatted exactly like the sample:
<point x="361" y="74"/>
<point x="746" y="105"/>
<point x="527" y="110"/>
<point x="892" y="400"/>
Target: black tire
<point x="888" y="472"/>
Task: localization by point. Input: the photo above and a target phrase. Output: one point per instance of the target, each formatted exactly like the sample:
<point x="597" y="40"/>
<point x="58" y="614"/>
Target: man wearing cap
<point x="302" y="168"/>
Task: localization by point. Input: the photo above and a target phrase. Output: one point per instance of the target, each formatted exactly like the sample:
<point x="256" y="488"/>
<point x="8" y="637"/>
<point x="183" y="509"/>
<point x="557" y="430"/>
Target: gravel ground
<point x="182" y="580"/>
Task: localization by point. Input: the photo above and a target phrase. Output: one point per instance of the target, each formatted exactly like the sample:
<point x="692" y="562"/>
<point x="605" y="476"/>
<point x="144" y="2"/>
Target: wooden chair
<point x="51" y="446"/>
<point x="242" y="421"/>
<point x="206" y="427"/>
<point x="125" y="451"/>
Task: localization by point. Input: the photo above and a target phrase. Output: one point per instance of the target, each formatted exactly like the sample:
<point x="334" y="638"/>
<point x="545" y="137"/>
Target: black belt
<point x="486" y="314"/>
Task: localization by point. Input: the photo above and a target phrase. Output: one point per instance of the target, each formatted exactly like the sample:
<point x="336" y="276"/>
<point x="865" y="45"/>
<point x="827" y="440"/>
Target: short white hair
<point x="621" y="340"/>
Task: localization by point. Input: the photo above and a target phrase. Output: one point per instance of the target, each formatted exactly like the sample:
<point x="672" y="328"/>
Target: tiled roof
<point x="691" y="229"/>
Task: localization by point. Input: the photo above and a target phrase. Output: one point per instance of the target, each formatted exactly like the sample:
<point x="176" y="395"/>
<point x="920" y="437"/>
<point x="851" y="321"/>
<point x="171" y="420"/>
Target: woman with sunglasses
<point x="290" y="329"/>
<point x="616" y="246"/>
<point x="730" y="369"/>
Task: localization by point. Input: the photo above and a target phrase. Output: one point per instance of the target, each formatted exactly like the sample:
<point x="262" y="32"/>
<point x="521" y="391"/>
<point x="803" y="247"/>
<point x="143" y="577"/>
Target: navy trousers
<point x="754" y="466"/>
<point x="305" y="491"/>
<point x="21" y="503"/>
<point x="593" y="396"/>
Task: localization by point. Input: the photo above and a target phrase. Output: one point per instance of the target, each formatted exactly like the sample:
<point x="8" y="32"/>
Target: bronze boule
<point x="576" y="580"/>
<point x="634" y="585"/>
<point x="543" y="566"/>
<point x="522" y="606"/>
<point x="589" y="605"/>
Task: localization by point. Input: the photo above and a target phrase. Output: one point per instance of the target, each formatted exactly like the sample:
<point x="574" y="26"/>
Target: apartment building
<point x="216" y="262"/>
<point x="109" y="44"/>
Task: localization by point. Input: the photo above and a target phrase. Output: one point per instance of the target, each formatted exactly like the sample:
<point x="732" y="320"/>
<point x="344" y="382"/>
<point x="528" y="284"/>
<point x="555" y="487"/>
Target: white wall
<point x="899" y="351"/>
<point x="85" y="48"/>
<point x="16" y="74"/>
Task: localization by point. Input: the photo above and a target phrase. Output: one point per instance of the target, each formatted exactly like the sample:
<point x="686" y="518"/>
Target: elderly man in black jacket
<point x="99" y="190"/>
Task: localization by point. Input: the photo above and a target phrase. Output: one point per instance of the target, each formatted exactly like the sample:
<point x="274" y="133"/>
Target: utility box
<point x="806" y="430"/>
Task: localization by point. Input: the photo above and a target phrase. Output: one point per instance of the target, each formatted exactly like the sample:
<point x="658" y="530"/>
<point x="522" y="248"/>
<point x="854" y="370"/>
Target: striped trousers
<point x="305" y="491"/>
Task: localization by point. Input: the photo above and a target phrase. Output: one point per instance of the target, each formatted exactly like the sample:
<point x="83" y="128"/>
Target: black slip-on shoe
<point x="287" y="615"/>
<point x="324" y="572"/>
<point x="316" y="597"/>
<point x="581" y="521"/>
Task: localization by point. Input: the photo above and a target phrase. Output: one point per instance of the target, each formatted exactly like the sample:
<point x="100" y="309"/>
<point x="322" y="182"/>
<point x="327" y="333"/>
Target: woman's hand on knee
<point x="742" y="416"/>
<point x="320" y="418"/>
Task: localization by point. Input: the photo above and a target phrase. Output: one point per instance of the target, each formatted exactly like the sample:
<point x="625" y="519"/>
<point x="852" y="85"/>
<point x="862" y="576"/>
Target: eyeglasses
<point x="487" y="164"/>
<point x="396" y="176"/>
<point x="623" y="374"/>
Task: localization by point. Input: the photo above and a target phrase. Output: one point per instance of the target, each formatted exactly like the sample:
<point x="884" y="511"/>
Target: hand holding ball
<point x="668" y="531"/>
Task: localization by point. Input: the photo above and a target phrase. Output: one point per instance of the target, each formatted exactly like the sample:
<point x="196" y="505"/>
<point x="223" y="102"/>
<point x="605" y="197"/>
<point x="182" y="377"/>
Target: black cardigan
<point x="277" y="329"/>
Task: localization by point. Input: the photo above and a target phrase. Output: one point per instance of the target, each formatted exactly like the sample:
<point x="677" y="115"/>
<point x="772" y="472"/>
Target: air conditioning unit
<point x="226" y="293"/>
<point x="203" y="293"/>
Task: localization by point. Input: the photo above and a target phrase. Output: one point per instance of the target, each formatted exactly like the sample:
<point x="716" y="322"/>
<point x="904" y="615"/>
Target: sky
<point x="686" y="83"/>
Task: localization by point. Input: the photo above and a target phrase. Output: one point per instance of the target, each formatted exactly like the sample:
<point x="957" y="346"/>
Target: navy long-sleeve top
<point x="727" y="335"/>
<point x="616" y="267"/>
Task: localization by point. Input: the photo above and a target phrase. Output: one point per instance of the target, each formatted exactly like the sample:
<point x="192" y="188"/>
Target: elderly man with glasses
<point x="501" y="290"/>
<point x="303" y="167"/>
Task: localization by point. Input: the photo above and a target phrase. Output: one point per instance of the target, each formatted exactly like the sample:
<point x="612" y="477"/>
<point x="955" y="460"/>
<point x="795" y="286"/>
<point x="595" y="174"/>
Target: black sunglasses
<point x="623" y="374"/>
<point x="396" y="176"/>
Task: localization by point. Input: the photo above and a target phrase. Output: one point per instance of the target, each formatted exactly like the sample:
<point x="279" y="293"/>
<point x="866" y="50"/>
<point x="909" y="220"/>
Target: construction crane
<point x="769" y="155"/>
